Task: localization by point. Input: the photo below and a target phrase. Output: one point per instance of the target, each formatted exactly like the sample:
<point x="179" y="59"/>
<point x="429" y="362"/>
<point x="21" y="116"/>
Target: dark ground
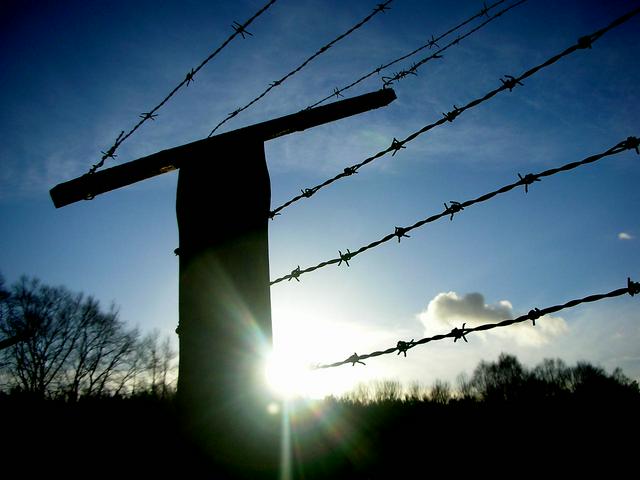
<point x="139" y="438"/>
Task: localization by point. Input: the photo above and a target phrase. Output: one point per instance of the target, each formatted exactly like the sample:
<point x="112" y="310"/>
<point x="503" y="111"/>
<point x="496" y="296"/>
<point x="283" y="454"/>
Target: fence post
<point x="222" y="206"/>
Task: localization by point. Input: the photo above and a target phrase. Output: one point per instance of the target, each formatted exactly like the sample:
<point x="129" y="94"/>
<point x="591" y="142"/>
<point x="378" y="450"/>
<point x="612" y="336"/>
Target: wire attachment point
<point x="273" y="214"/>
<point x="400" y="233"/>
<point x="633" y="287"/>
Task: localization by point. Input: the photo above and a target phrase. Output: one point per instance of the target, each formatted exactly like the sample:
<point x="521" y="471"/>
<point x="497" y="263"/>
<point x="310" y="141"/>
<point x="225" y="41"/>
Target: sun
<point x="301" y="342"/>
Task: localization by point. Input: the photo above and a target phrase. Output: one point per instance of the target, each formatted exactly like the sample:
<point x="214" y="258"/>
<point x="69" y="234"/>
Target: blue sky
<point x="74" y="74"/>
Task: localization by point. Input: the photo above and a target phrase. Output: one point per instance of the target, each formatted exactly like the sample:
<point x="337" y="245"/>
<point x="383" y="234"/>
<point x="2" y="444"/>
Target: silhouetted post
<point x="222" y="207"/>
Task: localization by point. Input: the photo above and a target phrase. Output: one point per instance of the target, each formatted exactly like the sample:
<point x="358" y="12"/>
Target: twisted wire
<point x="630" y="143"/>
<point x="508" y="83"/>
<point x="381" y="7"/>
<point x="430" y="44"/>
<point x="632" y="288"/>
<point x="239" y="29"/>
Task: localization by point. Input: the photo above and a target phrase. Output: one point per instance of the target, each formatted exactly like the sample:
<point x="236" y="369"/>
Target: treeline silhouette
<point x="84" y="395"/>
<point x="63" y="345"/>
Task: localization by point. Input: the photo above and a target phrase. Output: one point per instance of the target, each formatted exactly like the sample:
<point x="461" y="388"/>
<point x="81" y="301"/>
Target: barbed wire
<point x="509" y="82"/>
<point x="380" y="8"/>
<point x="238" y="29"/>
<point x="534" y="314"/>
<point x="454" y="207"/>
<point x="433" y="42"/>
<point x="413" y="69"/>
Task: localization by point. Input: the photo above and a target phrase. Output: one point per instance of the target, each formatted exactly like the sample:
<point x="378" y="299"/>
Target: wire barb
<point x="400" y="233"/>
<point x="109" y="153"/>
<point x="353" y="359"/>
<point x="458" y="333"/>
<point x="148" y="116"/>
<point x="350" y="171"/>
<point x="489" y="95"/>
<point x="451" y="116"/>
<point x="633" y="288"/>
<point x="432" y="43"/>
<point x="585" y="42"/>
<point x="510" y="82"/>
<point x="396" y="146"/>
<point x="308" y="192"/>
<point x="240" y="29"/>
<point x="189" y="77"/>
<point x="456" y="207"/>
<point x="534" y="315"/>
<point x="404" y="346"/>
<point x="484" y="10"/>
<point x="345" y="257"/>
<point x="452" y="209"/>
<point x="184" y="83"/>
<point x="273" y="214"/>
<point x="336" y="92"/>
<point x="295" y="273"/>
<point x="382" y="7"/>
<point x="632" y="143"/>
<point x="527" y="180"/>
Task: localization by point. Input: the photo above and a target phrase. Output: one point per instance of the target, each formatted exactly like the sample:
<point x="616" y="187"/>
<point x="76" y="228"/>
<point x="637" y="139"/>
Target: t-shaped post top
<point x="90" y="185"/>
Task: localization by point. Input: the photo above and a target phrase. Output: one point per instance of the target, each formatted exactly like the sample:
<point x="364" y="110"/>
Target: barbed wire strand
<point x="380" y="8"/>
<point x="631" y="143"/>
<point x="239" y="29"/>
<point x="508" y="83"/>
<point x="412" y="70"/>
<point x="430" y="44"/>
<point x="632" y="288"/>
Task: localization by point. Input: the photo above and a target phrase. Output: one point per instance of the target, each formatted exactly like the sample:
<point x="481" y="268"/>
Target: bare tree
<point x="440" y="392"/>
<point x="46" y="317"/>
<point x="101" y="353"/>
<point x="69" y="346"/>
<point x="167" y="366"/>
<point x="387" y="390"/>
<point x="416" y="392"/>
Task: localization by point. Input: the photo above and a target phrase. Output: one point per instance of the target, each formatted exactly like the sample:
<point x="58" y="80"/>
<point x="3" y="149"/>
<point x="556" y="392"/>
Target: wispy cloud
<point x="449" y="310"/>
<point x="625" y="236"/>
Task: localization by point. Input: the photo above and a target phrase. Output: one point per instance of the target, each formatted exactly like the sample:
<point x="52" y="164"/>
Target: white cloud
<point x="625" y="236"/>
<point x="449" y="310"/>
